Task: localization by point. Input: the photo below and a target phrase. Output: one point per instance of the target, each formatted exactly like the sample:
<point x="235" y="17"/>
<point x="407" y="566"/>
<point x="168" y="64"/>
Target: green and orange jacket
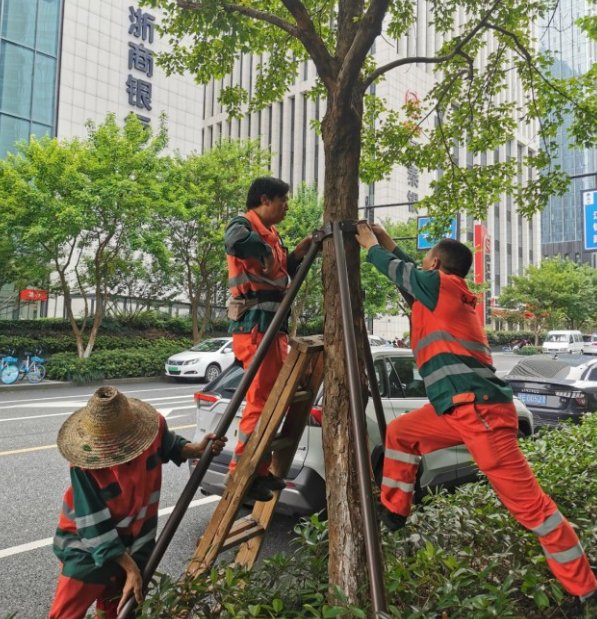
<point x="248" y="242"/>
<point x="107" y="512"/>
<point x="448" y="341"/>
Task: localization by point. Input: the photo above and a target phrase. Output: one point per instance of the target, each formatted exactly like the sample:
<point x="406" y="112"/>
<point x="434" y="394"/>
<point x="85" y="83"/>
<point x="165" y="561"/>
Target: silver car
<point x="402" y="390"/>
<point x="206" y="360"/>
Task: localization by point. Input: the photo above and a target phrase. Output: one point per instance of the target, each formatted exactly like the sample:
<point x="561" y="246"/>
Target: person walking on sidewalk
<point x="468" y="404"/>
<point x="259" y="272"/>
<point x="116" y="447"/>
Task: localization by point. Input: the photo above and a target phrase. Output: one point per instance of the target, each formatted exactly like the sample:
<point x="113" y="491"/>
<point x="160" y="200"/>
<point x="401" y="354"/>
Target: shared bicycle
<point x="32" y="367"/>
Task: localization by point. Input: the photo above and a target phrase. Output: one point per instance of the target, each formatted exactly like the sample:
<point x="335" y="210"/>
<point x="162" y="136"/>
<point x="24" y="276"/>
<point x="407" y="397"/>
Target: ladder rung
<point x="242" y="535"/>
<point x="300" y="396"/>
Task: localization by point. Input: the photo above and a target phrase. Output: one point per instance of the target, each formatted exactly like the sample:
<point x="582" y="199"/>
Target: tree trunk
<point x="195" y="318"/>
<point x="341" y="137"/>
<point x="68" y="305"/>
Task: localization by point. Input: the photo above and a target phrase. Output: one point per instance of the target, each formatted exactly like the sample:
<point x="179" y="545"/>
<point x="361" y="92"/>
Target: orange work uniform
<point x="468" y="404"/>
<point x="248" y="242"/>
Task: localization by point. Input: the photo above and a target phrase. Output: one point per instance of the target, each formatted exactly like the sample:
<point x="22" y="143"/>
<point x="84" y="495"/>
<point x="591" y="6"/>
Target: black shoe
<point x="273" y="482"/>
<point x="392" y="520"/>
<point x="259" y="491"/>
<point x="588" y="607"/>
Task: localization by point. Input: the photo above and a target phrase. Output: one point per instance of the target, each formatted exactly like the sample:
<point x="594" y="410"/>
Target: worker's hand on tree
<point x="133" y="584"/>
<point x="303" y="247"/>
<point x="385" y="240"/>
<point x="365" y="236"/>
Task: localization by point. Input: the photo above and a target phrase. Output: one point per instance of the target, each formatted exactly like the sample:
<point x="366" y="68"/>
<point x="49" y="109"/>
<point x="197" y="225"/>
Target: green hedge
<point x="503" y="338"/>
<point x="52" y="344"/>
<point x="461" y="555"/>
<point x="104" y="364"/>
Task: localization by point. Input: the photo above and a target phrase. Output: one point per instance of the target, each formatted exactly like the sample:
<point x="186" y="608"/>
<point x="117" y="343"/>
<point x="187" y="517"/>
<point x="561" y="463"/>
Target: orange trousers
<point x="245" y="345"/>
<point x="74" y="597"/>
<point x="489" y="431"/>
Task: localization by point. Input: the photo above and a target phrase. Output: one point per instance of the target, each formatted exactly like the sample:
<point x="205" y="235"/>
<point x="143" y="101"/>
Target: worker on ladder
<point x="468" y="404"/>
<point x="259" y="272"/>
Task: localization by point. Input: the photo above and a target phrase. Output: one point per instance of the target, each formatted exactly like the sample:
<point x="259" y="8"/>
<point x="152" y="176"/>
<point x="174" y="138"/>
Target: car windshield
<point x="209" y="346"/>
<point x="554" y="337"/>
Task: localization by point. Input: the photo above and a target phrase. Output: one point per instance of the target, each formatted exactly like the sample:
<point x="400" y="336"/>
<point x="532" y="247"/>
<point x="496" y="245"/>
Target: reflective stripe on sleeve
<point x="401" y="456"/>
<point x="401" y="485"/>
<point x="104" y="538"/>
<point x="141" y="541"/>
<point x="406" y="271"/>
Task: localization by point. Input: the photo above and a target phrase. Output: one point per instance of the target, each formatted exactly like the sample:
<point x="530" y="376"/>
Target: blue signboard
<point x="589" y="201"/>
<point x="424" y="241"/>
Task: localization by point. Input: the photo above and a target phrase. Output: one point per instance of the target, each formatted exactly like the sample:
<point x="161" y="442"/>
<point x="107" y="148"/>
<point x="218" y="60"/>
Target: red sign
<point x="481" y="257"/>
<point x="33" y="294"/>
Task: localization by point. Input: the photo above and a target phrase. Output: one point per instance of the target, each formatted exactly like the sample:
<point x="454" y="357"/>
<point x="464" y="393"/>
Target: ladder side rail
<point x="374" y="389"/>
<point x="196" y="477"/>
<point x="357" y="411"/>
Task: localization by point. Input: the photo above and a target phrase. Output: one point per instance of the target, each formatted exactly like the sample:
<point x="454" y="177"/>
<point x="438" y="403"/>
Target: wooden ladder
<point x="290" y="402"/>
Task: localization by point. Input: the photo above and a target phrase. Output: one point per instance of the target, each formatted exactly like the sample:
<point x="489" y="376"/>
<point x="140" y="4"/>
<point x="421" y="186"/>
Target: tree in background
<point x="558" y="293"/>
<point x="79" y="209"/>
<point x="304" y="216"/>
<point x="469" y="104"/>
<point x="201" y="194"/>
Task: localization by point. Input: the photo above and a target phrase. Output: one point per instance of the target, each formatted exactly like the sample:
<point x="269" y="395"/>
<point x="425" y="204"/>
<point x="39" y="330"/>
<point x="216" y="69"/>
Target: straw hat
<point x="111" y="429"/>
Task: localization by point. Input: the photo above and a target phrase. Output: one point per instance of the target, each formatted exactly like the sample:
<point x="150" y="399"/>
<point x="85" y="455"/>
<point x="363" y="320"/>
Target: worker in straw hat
<point x="116" y="447"/>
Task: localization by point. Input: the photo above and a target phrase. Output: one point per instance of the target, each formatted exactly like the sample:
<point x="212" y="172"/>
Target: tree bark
<point x="341" y="129"/>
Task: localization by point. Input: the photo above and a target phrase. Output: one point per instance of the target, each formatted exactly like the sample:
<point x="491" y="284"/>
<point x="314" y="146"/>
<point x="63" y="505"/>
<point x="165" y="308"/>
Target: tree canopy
<point x="558" y="293"/>
<point x="78" y="212"/>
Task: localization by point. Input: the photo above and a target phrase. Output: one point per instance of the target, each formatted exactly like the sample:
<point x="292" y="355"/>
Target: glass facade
<point x="29" y="40"/>
<point x="561" y="222"/>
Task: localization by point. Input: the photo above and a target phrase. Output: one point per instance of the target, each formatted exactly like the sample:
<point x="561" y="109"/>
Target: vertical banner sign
<point x="140" y="62"/>
<point x="589" y="202"/>
<point x="482" y="263"/>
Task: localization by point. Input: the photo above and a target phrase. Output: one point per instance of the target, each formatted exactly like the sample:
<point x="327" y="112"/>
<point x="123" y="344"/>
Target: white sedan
<point x="204" y="360"/>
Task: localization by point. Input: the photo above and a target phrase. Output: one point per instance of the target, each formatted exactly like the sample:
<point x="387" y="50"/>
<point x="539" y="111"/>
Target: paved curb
<point x="55" y="384"/>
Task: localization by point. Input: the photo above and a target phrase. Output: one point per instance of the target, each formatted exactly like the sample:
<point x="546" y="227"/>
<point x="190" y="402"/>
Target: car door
<point x="227" y="355"/>
<point x="407" y="393"/>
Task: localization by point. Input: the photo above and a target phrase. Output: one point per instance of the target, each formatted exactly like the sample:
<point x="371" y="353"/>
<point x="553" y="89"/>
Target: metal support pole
<point x="192" y="485"/>
<point x="372" y="545"/>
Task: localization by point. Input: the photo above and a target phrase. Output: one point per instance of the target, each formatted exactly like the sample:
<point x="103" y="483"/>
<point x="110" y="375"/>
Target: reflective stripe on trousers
<point x="245" y="345"/>
<point x="489" y="432"/>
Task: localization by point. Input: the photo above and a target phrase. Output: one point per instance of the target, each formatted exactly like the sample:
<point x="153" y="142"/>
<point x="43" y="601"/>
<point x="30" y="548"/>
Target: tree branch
<point x="304" y="31"/>
<point x="313" y="43"/>
<point x="431" y="59"/>
<point x="370" y="28"/>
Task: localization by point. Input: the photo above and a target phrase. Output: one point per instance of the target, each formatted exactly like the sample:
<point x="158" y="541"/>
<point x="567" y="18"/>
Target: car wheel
<point x="523" y="430"/>
<point x="213" y="371"/>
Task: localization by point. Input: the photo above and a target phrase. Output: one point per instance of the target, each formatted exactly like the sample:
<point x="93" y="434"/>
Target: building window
<point x="28" y="69"/>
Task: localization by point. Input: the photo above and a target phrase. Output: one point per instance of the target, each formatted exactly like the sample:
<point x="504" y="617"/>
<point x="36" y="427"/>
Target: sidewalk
<point x="21" y="385"/>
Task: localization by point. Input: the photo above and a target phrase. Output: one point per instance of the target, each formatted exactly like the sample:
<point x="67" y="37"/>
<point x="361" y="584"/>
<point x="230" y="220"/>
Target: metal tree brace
<point x="302" y="370"/>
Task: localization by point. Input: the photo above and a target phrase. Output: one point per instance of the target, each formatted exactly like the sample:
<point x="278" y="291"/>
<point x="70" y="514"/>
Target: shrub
<point x="461" y="555"/>
<point x="529" y="350"/>
<point x="146" y="361"/>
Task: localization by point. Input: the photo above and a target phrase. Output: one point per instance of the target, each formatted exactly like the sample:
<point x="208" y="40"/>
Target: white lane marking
<point x="164" y="411"/>
<point x="88" y="395"/>
<point x="40" y="543"/>
<point x="79" y="404"/>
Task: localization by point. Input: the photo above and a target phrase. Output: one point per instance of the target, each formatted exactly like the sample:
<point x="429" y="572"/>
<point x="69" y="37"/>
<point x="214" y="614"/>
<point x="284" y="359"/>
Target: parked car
<point x="563" y="342"/>
<point x="589" y="346"/>
<point x="556" y="389"/>
<point x="402" y="390"/>
<point x="206" y="360"/>
<point x="377" y="340"/>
